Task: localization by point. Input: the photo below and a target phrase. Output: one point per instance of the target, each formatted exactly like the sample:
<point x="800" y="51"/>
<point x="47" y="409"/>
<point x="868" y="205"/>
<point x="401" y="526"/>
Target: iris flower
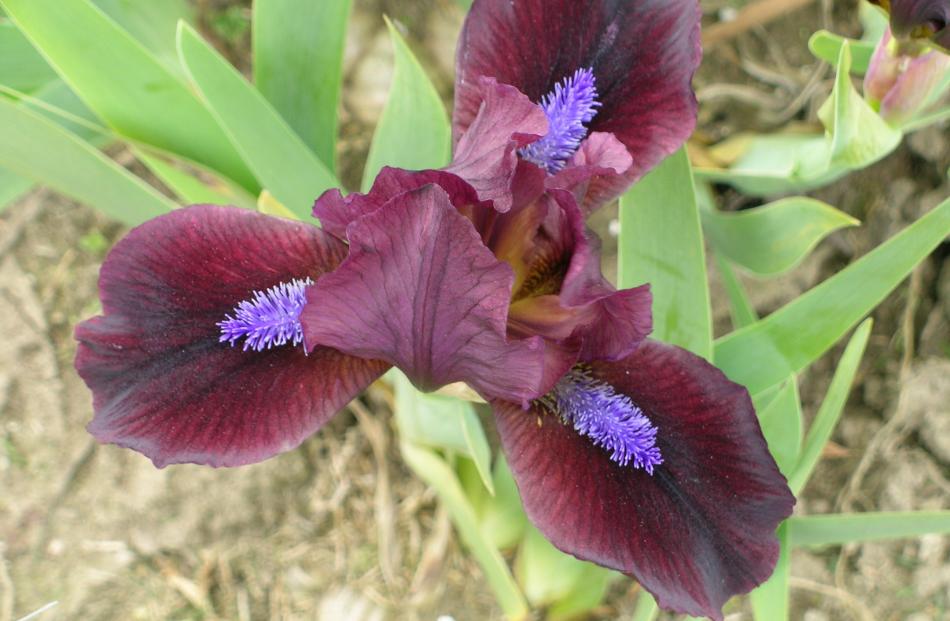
<point x="229" y="336"/>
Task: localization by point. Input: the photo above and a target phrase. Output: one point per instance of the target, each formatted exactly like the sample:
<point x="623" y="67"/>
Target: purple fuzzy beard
<point x="571" y="104"/>
<point x="271" y="318"/>
<point x="611" y="420"/>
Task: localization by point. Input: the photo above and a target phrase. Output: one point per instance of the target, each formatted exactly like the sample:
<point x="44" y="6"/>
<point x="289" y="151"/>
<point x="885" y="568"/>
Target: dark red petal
<point x="420" y="290"/>
<point x="942" y="38"/>
<point x="595" y="176"/>
<point x="486" y="154"/>
<point x="162" y="383"/>
<point x="701" y="528"/>
<point x="643" y="54"/>
<point x="336" y="211"/>
<point x="913" y="17"/>
<point x="563" y="293"/>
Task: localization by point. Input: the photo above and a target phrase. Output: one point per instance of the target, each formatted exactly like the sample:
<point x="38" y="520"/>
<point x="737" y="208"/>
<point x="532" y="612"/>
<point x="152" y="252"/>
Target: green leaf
<point x="740" y="307"/>
<point x="21" y="66"/>
<point x="501" y="517"/>
<point x="779" y="163"/>
<point x="661" y="243"/>
<point x="60" y="104"/>
<point x="268" y="205"/>
<point x="831" y="407"/>
<point x="764" y="398"/>
<point x="874" y="21"/>
<point x="477" y="444"/>
<point x="413" y="130"/>
<point x="826" y="46"/>
<point x="794" y="336"/>
<point x="588" y="593"/>
<point x="770" y="600"/>
<point x="545" y="573"/>
<point x="282" y="162"/>
<point x="646" y="609"/>
<point x="190" y="188"/>
<point x="124" y="84"/>
<point x="298" y="66"/>
<point x="855" y="137"/>
<point x="153" y="24"/>
<point x="781" y="422"/>
<point x="930" y="118"/>
<point x="442" y="422"/>
<point x="35" y="147"/>
<point x="773" y="238"/>
<point x="859" y="137"/>
<point x="550" y="578"/>
<point x="12" y="187"/>
<point x="829" y="530"/>
<point x="436" y="473"/>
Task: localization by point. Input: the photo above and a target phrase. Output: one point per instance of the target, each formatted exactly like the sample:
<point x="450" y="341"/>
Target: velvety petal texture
<point x="421" y="291"/>
<point x="702" y="527"/>
<point x="162" y="382"/>
<point x="596" y="174"/>
<point x="560" y="292"/>
<point x="643" y="54"/>
<point x="918" y="18"/>
<point x="486" y="154"/>
<point x="336" y="211"/>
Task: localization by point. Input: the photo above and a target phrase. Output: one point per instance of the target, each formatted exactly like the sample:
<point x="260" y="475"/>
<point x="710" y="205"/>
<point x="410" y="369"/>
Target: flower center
<point x="611" y="420"/>
<point x="571" y="104"/>
<point x="269" y="319"/>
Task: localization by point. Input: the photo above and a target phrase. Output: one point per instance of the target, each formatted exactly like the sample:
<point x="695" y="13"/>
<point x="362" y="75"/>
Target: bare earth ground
<point x="339" y="529"/>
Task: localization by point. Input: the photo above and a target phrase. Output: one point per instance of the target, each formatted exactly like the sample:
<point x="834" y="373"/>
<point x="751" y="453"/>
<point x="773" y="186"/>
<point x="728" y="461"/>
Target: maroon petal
<point x="420" y="290"/>
<point x="595" y="176"/>
<point x="486" y="153"/>
<point x="643" y="54"/>
<point x="942" y="38"/>
<point x="336" y="211"/>
<point x="919" y="17"/>
<point x="563" y="293"/>
<point x="702" y="527"/>
<point x="162" y="383"/>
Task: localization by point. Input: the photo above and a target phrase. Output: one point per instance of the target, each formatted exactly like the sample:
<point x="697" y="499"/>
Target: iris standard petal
<point x="486" y="154"/>
<point x="420" y="290"/>
<point x="162" y="382"/>
<point x="596" y="174"/>
<point x="643" y="54"/>
<point x="696" y="532"/>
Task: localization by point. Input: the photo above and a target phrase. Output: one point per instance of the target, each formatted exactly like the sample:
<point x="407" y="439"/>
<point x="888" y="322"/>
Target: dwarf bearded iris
<point x="229" y="336"/>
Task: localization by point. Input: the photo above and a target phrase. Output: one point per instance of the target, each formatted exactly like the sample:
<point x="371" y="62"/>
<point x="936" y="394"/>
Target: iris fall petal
<point x="162" y="382"/>
<point x="696" y="532"/>
<point x="486" y="154"/>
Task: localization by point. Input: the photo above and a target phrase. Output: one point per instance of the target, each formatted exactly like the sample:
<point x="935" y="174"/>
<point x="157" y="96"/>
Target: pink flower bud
<point x="903" y="80"/>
